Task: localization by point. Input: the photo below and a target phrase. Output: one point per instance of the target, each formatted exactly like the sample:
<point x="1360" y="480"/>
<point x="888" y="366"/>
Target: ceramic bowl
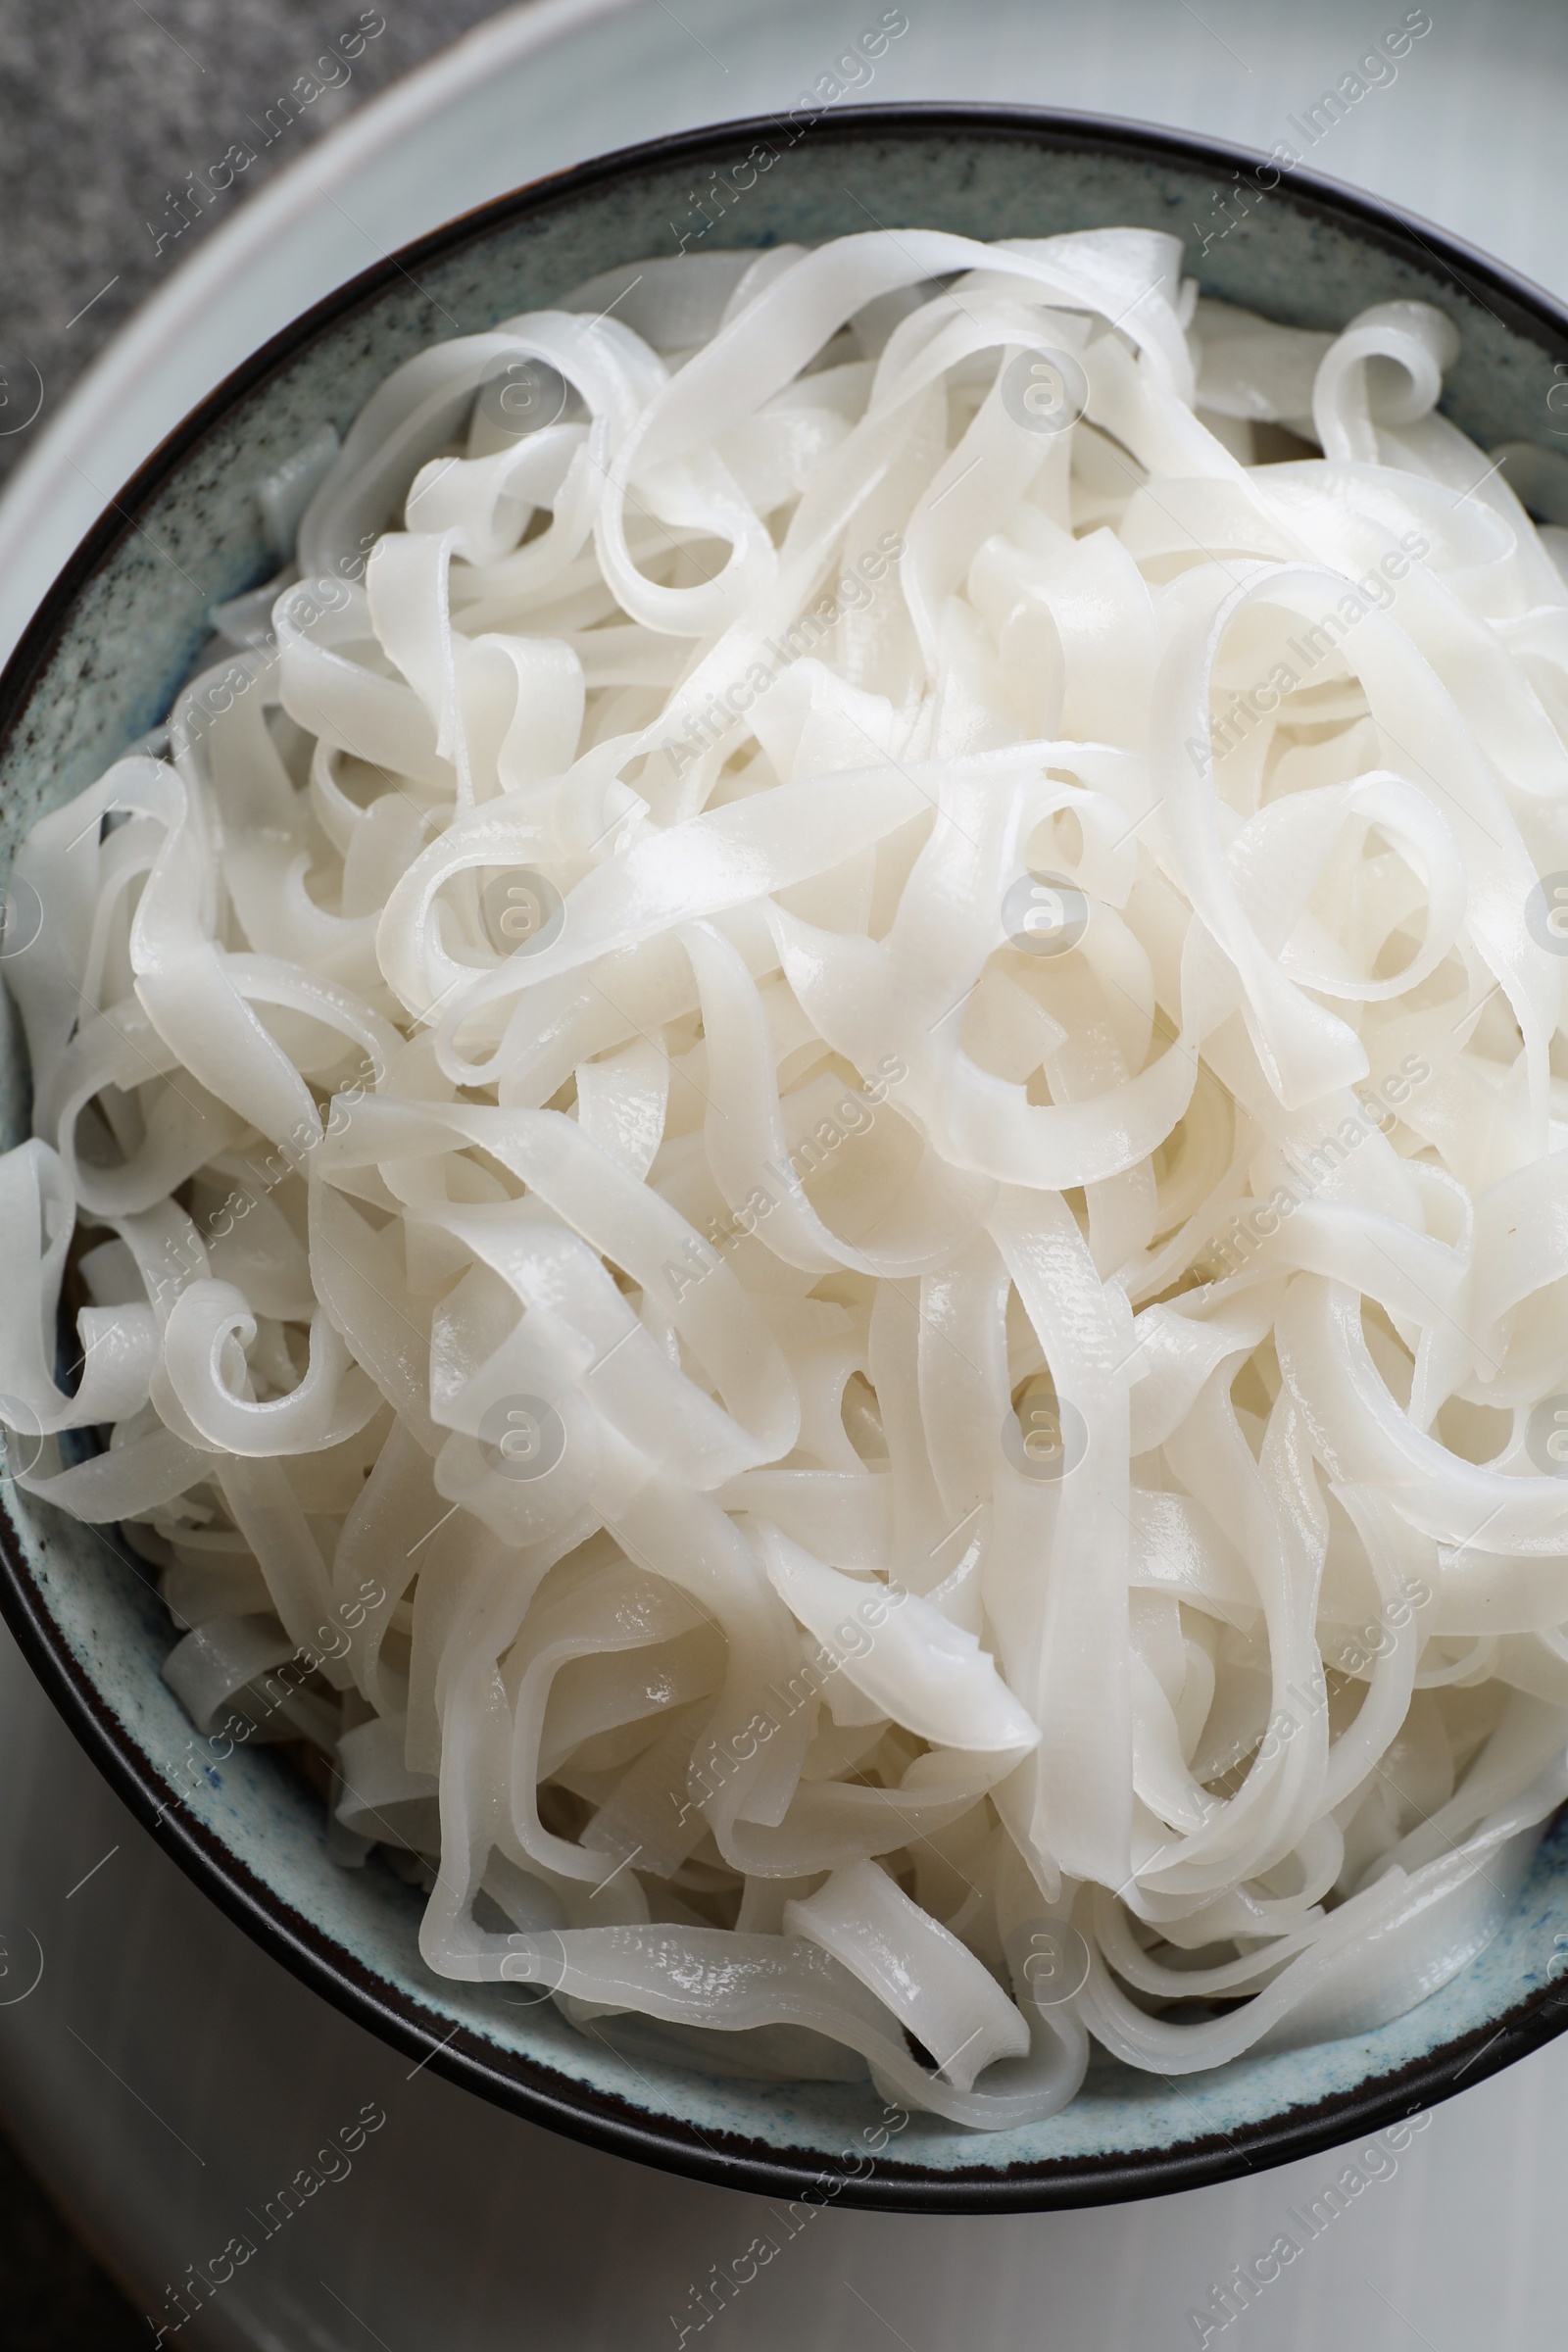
<point x="120" y="631"/>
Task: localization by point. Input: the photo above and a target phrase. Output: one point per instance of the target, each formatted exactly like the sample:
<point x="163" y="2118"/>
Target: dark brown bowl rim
<point x="512" y="2080"/>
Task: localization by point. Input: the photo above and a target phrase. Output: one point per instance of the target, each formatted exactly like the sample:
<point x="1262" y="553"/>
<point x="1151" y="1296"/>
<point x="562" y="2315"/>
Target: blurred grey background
<point x="120" y="125"/>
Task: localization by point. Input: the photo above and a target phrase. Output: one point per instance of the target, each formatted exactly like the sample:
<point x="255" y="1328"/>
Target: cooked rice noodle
<point x="821" y="1145"/>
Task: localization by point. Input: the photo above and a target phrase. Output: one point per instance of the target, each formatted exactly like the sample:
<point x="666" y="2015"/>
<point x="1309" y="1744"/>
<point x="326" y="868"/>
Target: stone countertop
<point x="126" y="130"/>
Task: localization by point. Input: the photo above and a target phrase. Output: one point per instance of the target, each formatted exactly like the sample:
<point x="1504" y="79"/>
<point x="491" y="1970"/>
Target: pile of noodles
<point x="813" y="1122"/>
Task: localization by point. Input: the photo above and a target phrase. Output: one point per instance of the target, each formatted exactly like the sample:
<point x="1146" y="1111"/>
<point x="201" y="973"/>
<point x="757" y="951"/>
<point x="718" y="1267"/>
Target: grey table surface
<point x="122" y="130"/>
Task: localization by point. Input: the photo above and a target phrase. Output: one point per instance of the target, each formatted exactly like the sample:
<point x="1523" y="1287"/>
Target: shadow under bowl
<point x="118" y="633"/>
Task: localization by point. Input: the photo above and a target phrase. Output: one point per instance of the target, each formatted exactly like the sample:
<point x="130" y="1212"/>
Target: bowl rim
<point x="521" y="2085"/>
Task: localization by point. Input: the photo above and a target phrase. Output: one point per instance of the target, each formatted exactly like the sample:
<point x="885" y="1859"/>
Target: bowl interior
<point x="117" y="635"/>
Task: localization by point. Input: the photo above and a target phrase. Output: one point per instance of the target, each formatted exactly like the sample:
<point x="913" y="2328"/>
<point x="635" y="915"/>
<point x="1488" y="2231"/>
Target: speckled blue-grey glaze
<point x="131" y="637"/>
